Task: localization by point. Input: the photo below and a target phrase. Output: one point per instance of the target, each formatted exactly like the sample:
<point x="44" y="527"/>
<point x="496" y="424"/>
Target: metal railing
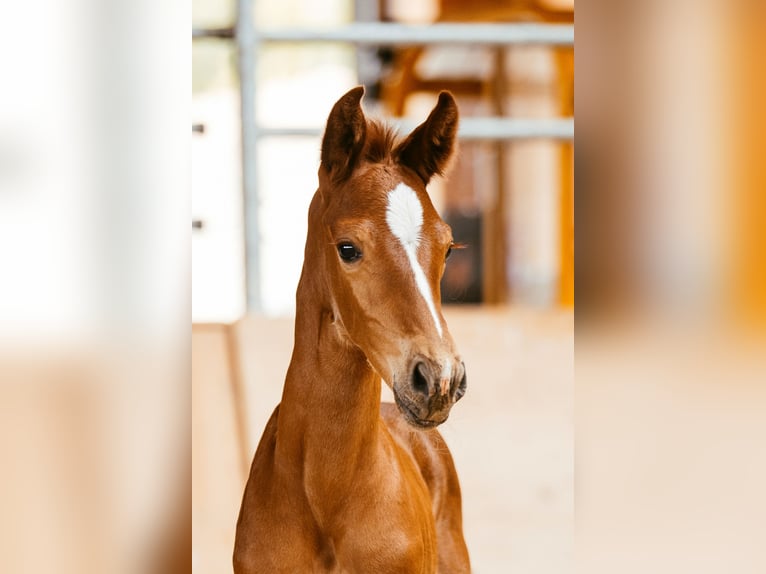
<point x="471" y="129"/>
<point x="386" y="33"/>
<point x="248" y="40"/>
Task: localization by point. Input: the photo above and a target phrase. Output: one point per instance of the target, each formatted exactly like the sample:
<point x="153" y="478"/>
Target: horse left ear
<point x="428" y="149"/>
<point x="344" y="135"/>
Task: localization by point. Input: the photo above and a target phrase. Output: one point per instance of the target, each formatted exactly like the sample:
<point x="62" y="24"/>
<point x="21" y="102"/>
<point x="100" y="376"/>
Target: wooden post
<point x="565" y="71"/>
<point x="494" y="240"/>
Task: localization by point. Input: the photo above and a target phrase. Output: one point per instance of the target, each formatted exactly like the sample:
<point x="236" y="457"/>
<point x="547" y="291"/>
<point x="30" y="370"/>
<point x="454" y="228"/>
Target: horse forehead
<point x="367" y="205"/>
<point x="410" y="215"/>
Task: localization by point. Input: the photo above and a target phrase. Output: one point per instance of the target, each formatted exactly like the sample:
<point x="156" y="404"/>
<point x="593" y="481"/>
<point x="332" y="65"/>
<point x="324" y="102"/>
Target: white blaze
<point x="446" y="376"/>
<point x="404" y="215"/>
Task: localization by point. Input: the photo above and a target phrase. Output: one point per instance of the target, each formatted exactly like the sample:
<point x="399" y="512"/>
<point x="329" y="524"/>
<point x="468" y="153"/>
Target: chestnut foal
<point x="341" y="482"/>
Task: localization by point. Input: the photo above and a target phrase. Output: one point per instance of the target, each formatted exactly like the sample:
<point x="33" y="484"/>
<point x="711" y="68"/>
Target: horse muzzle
<point x="427" y="394"/>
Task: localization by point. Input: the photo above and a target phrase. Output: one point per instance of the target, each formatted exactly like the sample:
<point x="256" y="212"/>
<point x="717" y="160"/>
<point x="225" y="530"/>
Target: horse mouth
<point x="412" y="418"/>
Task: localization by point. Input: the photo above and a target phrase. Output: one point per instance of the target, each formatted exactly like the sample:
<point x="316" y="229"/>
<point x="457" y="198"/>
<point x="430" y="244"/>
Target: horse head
<point x="382" y="249"/>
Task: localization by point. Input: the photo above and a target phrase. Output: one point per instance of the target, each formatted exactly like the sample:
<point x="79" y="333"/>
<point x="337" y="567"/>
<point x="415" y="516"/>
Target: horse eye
<point x="348" y="252"/>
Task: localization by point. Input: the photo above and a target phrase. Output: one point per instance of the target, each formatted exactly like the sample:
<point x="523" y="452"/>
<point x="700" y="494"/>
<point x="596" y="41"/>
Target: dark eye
<point x="348" y="252"/>
<point x="449" y="252"/>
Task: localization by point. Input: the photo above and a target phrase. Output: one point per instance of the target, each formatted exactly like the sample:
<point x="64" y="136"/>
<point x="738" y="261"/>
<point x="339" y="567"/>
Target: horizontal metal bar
<point x="514" y="129"/>
<point x="384" y="33"/>
<point x="199" y="33"/>
<point x="478" y="129"/>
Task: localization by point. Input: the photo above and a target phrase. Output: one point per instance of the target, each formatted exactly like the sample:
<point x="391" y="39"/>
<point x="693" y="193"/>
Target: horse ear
<point x="428" y="149"/>
<point x="344" y="135"/>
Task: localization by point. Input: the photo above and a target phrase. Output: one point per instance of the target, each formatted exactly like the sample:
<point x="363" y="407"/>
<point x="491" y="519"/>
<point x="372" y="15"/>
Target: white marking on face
<point x="447" y="369"/>
<point x="446" y="376"/>
<point x="404" y="215"/>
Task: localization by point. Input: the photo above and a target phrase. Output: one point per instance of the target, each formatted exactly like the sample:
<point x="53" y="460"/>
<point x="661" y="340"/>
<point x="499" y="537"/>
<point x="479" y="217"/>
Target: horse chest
<point x="362" y="538"/>
<point x="382" y="522"/>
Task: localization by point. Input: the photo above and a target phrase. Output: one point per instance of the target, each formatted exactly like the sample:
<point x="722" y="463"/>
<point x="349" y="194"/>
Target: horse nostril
<point x="460" y="391"/>
<point x="420" y="379"/>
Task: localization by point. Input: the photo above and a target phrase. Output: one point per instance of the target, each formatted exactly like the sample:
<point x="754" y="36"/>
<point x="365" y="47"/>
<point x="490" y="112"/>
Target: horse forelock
<point x="382" y="139"/>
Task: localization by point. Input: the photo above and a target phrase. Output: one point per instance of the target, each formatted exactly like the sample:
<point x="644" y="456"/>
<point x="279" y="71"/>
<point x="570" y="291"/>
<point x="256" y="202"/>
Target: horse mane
<point x="382" y="140"/>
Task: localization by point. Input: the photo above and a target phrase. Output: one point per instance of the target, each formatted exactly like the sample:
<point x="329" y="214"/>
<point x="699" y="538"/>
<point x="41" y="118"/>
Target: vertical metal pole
<point x="246" y="61"/>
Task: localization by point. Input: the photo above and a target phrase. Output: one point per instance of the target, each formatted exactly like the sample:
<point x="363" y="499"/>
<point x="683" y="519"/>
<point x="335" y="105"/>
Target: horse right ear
<point x="344" y="135"/>
<point x="427" y="150"/>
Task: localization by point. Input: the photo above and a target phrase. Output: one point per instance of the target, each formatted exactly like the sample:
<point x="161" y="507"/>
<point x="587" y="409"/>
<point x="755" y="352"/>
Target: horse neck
<point x="331" y="401"/>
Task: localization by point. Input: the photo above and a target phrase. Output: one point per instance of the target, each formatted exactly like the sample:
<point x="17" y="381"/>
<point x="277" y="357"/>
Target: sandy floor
<point x="511" y="436"/>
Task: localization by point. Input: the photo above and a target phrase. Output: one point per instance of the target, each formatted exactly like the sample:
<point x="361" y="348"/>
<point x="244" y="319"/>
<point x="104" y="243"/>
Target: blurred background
<point x="95" y="273"/>
<point x="509" y="196"/>
<point x="265" y="76"/>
